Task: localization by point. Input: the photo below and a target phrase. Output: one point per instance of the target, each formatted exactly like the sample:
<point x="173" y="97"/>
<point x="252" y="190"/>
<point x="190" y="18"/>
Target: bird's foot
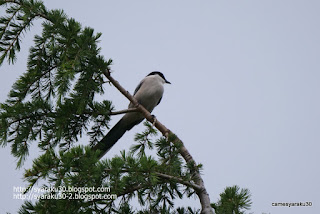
<point x="154" y="120"/>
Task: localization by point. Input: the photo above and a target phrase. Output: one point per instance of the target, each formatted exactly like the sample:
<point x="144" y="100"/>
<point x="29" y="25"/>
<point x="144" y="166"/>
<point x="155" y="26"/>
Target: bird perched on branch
<point x="149" y="94"/>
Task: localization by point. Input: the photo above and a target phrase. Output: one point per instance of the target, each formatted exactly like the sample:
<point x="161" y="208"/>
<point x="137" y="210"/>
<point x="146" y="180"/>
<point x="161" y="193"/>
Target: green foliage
<point x="19" y="20"/>
<point x="233" y="201"/>
<point x="154" y="182"/>
<point x="53" y="104"/>
<point x="53" y="101"/>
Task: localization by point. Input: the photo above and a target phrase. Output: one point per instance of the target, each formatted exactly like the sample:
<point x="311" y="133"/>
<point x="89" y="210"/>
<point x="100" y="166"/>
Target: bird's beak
<point x="168" y="82"/>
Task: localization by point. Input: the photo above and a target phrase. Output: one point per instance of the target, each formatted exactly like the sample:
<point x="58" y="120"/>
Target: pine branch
<point x="132" y="189"/>
<point x="179" y="180"/>
<point x="22" y="3"/>
<point x="13" y="27"/>
<point x="161" y="175"/>
<point x="201" y="192"/>
<point x="7" y="21"/>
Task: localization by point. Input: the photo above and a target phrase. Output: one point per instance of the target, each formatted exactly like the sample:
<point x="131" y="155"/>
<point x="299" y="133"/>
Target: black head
<point x="160" y="74"/>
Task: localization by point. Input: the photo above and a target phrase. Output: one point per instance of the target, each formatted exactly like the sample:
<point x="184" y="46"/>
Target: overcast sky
<point x="244" y="96"/>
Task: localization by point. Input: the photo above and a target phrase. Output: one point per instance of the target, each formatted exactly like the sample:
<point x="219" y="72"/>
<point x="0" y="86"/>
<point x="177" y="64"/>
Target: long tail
<point x="113" y="136"/>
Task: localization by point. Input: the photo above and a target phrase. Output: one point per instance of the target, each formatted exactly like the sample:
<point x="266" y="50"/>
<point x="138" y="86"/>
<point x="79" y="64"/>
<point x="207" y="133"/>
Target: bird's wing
<point x="137" y="88"/>
<point x="159" y="101"/>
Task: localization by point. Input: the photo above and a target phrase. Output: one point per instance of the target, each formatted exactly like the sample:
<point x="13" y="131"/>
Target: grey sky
<point x="244" y="96"/>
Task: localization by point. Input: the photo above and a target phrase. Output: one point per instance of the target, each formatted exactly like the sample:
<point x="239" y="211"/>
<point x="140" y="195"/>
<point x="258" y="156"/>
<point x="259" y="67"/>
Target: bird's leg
<point x="154" y="120"/>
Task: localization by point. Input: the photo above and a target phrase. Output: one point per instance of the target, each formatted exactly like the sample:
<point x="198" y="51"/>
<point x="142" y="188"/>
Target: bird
<point x="148" y="93"/>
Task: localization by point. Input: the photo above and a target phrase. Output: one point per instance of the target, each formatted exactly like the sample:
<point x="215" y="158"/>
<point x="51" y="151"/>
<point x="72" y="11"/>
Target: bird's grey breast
<point x="149" y="93"/>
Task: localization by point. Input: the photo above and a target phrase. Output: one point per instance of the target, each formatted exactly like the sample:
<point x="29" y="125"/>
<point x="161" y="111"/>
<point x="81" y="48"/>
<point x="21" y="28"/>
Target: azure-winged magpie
<point x="148" y="93"/>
